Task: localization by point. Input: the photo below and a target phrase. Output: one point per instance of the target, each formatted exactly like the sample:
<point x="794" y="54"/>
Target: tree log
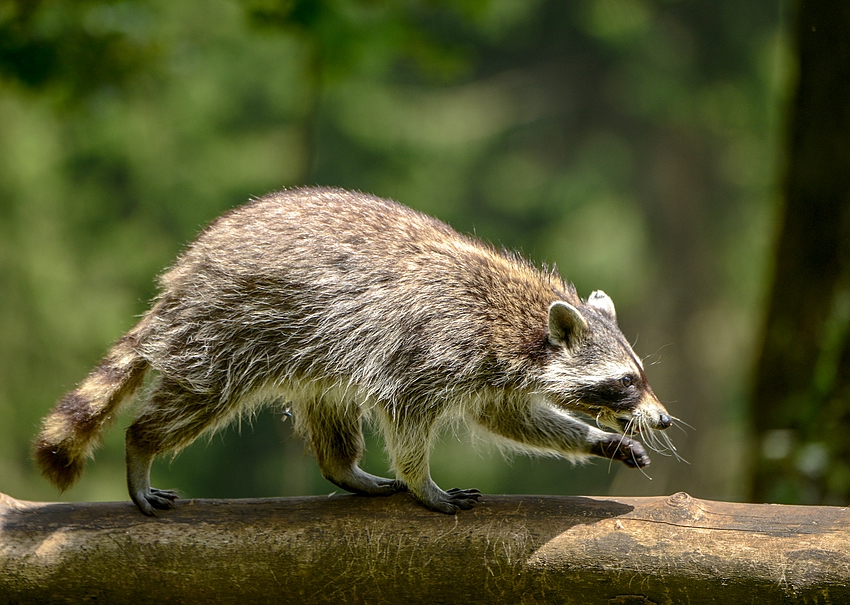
<point x="349" y="549"/>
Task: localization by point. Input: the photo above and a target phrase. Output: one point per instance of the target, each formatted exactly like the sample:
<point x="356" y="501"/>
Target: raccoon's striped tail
<point x="71" y="432"/>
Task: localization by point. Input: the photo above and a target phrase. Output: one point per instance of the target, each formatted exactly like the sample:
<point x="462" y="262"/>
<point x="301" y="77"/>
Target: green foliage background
<point x="634" y="143"/>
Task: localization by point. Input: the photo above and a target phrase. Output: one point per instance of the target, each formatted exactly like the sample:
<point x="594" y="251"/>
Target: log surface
<point x="348" y="549"/>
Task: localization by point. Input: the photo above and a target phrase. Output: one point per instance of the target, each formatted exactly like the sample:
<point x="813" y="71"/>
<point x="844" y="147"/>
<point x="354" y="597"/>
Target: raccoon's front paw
<point x="451" y="501"/>
<point x="620" y="447"/>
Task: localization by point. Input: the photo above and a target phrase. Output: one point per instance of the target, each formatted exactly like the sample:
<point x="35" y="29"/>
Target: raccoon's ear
<point x="602" y="303"/>
<point x="566" y="324"/>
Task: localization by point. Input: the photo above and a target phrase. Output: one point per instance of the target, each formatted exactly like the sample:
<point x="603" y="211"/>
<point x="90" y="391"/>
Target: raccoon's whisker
<point x="678" y="426"/>
<point x="668" y="443"/>
<point x="642" y="428"/>
<point x="655" y="440"/>
<point x="673" y="449"/>
<point x="679" y="422"/>
<point x="660" y="448"/>
<point x="642" y="472"/>
<point x="660" y="442"/>
<point x="622" y="438"/>
<point x="656" y="357"/>
<point x="651" y="438"/>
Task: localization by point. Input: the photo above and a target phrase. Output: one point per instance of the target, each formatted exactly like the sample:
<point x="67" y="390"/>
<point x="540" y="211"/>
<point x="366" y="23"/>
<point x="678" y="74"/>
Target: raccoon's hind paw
<point x="153" y="499"/>
<point x="357" y="481"/>
<point x="620" y="447"/>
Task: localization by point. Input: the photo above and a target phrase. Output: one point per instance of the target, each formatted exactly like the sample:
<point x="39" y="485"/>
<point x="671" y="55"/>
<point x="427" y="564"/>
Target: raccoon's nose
<point x="664" y="421"/>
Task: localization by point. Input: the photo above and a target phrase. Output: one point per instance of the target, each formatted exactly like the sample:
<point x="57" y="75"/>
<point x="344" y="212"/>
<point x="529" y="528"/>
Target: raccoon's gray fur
<point x="346" y="305"/>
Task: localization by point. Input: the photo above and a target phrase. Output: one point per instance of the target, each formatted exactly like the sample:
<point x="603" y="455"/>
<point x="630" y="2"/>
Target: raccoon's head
<point x="593" y="369"/>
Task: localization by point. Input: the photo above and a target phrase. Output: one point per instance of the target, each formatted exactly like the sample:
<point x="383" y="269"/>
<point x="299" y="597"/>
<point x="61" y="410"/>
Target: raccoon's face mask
<point x="599" y="372"/>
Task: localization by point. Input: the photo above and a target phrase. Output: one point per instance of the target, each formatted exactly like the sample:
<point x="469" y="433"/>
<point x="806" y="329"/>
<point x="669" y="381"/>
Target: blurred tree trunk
<point x="801" y="404"/>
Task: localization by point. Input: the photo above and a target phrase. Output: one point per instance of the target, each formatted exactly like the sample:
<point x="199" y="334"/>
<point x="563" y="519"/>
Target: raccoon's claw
<point x="162" y="499"/>
<point x="637" y="460"/>
<point x="453" y="500"/>
<point x="471" y="494"/>
<point x="620" y="447"/>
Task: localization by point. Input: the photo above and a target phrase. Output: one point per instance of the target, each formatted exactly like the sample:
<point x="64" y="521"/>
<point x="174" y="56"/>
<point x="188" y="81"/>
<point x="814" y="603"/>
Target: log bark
<point x="349" y="549"/>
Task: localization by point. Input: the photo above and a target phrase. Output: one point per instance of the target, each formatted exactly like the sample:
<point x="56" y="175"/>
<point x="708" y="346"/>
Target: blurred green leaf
<point x="77" y="47"/>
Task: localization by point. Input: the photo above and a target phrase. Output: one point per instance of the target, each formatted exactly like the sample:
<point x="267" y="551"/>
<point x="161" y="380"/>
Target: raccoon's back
<point x="332" y="284"/>
<point x="332" y="235"/>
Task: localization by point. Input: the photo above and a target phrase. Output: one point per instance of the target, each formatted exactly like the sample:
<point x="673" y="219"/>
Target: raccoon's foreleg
<point x="408" y="437"/>
<point x="545" y="428"/>
<point x="333" y="429"/>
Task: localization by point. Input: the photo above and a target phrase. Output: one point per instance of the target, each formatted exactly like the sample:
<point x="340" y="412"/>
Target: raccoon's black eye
<point x="627" y="381"/>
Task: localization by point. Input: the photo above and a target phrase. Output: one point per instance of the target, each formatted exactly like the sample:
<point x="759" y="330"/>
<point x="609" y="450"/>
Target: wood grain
<point x="348" y="549"/>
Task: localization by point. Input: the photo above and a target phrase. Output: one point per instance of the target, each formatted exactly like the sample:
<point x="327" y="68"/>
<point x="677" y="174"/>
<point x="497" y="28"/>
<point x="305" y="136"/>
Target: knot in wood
<point x="680" y="499"/>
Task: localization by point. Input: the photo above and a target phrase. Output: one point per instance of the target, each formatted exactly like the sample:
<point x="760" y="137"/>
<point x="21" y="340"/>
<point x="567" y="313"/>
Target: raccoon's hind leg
<point x="139" y="460"/>
<point x="171" y="420"/>
<point x="408" y="438"/>
<point x="333" y="430"/>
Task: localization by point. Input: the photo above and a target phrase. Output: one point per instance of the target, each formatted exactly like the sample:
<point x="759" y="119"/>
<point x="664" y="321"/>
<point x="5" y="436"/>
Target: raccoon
<point x="350" y="307"/>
